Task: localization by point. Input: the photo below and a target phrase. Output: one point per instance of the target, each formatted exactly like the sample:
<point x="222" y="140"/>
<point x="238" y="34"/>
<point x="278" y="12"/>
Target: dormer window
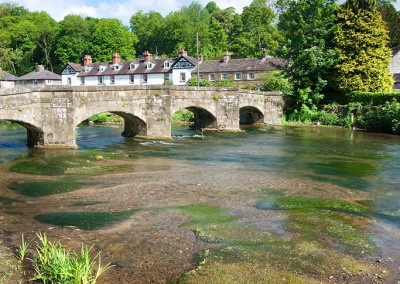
<point x="87" y="68"/>
<point x="102" y="68"/>
<point x="132" y="66"/>
<point x="117" y="67"/>
<point x="150" y="65"/>
<point x="167" y="64"/>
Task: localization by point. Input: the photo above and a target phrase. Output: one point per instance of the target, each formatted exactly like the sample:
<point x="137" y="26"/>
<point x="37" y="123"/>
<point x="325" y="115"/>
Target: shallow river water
<point x="293" y="186"/>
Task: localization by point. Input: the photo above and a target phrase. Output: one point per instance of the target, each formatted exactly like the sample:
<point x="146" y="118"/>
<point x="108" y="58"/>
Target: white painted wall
<point x="394" y="65"/>
<point x="176" y="76"/>
<point x="7" y="84"/>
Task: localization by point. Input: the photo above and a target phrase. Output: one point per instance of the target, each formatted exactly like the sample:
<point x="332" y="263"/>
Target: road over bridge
<point x="50" y="114"/>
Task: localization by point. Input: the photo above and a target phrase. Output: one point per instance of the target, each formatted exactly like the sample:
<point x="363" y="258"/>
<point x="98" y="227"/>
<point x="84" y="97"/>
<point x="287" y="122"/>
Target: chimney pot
<point x="182" y="52"/>
<point x="116" y="58"/>
<point x="226" y="57"/>
<point x="147" y="56"/>
<point x="87" y="59"/>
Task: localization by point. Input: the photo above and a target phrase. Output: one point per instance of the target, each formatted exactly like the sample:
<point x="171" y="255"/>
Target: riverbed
<point x="298" y="203"/>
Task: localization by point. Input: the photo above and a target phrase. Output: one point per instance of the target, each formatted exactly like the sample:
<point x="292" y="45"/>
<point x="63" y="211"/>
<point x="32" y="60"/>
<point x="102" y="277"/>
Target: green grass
<point x="37" y="188"/>
<point x="84" y="220"/>
<point x="56" y="264"/>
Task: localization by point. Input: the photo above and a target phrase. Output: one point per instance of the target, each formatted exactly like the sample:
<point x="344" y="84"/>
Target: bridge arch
<point x="35" y="135"/>
<point x="133" y="125"/>
<point x="202" y="117"/>
<point x="250" y="115"/>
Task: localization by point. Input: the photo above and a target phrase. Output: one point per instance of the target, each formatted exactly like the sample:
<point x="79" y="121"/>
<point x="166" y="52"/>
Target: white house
<point x="394" y="67"/>
<point x="148" y="71"/>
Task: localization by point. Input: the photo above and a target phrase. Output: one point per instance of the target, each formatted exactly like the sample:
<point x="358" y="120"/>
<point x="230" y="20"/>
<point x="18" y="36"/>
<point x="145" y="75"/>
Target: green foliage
<point x="202" y="83"/>
<point x="381" y="119"/>
<point x="275" y="81"/>
<point x="368" y="98"/>
<point x="183" y="115"/>
<point x="84" y="220"/>
<point x="362" y="40"/>
<point x="308" y="27"/>
<point x="106" y="117"/>
<point x="56" y="264"/>
<point x="392" y="18"/>
<point x="223" y="83"/>
<point x="216" y="98"/>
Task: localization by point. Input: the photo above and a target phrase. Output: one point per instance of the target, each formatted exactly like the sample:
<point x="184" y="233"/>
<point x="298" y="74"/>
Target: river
<point x="288" y="199"/>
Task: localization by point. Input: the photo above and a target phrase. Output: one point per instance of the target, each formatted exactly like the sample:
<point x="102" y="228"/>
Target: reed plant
<point x="55" y="264"/>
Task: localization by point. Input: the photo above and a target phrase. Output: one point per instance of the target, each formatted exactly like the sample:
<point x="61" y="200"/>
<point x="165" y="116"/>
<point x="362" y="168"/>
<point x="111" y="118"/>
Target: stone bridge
<point x="50" y="114"/>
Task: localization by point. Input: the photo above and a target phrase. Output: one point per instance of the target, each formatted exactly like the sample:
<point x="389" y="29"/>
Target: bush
<point x="55" y="264"/>
<point x="106" y="117"/>
<point x="368" y="98"/>
<point x="224" y="83"/>
<point x="274" y="81"/>
<point x="183" y="115"/>
<point x="202" y="83"/>
<point x="381" y="119"/>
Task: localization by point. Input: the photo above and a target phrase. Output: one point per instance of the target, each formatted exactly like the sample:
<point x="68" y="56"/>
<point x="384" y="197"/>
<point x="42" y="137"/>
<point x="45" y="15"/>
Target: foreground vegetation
<point x="53" y="263"/>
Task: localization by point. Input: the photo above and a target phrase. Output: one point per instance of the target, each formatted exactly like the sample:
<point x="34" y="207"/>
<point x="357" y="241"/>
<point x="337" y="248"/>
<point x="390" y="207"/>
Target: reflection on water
<point x="307" y="160"/>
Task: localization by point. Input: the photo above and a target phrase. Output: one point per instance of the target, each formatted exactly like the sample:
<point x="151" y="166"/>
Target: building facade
<point x="148" y="71"/>
<point x="394" y="67"/>
<point x="40" y="77"/>
<point x="7" y="80"/>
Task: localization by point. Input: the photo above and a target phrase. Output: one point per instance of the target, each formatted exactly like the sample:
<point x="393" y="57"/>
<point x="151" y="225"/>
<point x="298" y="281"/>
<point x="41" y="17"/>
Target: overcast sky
<point x="122" y="9"/>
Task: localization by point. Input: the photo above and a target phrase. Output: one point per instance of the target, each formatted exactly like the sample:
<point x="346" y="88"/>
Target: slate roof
<point x="40" y="75"/>
<point x="395" y="50"/>
<point x="124" y="69"/>
<point x="240" y="65"/>
<point x="4" y="76"/>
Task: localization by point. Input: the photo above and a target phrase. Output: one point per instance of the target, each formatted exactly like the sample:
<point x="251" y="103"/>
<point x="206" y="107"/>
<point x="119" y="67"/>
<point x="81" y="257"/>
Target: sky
<point x="120" y="9"/>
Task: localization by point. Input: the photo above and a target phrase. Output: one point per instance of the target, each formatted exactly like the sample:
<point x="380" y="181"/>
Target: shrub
<point x="183" y="115"/>
<point x="202" y="83"/>
<point x="224" y="83"/>
<point x="274" y="81"/>
<point x="382" y="119"/>
<point x="368" y="98"/>
<point x="55" y="264"/>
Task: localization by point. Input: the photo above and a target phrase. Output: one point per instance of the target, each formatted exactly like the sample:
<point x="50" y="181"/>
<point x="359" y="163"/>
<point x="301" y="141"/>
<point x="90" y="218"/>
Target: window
<point x="166" y="76"/>
<point x="224" y="76"/>
<point x="49" y="81"/>
<point x="144" y="79"/>
<point x="102" y="68"/>
<point x="35" y="82"/>
<point x="112" y="80"/>
<point x="150" y="65"/>
<point x="82" y="80"/>
<point x="87" y="68"/>
<point x="69" y="81"/>
<point x="116" y="67"/>
<point x="132" y="79"/>
<point x="250" y="76"/>
<point x="182" y="77"/>
<point x="132" y="66"/>
<point x="100" y="80"/>
<point x="238" y="76"/>
<point x="166" y="64"/>
<point x="211" y="77"/>
<point x="201" y="76"/>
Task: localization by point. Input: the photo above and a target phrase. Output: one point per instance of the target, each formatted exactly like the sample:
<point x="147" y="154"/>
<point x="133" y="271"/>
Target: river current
<point x="226" y="170"/>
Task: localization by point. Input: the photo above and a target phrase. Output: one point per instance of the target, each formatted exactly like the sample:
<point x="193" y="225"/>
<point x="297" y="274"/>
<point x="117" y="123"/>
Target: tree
<point x="308" y="29"/>
<point x="392" y="19"/>
<point x="110" y="36"/>
<point x="362" y="40"/>
<point x="255" y="32"/>
<point x="149" y="28"/>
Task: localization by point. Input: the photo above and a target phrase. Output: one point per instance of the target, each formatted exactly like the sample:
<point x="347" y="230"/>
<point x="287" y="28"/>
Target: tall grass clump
<point x="56" y="264"/>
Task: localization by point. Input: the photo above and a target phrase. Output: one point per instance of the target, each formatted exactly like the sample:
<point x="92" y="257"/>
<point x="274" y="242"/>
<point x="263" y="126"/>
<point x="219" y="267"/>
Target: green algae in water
<point x="7" y="200"/>
<point x="86" y="202"/>
<point x="64" y="165"/>
<point x="84" y="220"/>
<point x="40" y="188"/>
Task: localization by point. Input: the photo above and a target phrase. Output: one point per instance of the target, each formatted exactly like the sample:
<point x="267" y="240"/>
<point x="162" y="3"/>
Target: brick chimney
<point x="39" y="68"/>
<point x="116" y="58"/>
<point x="227" y="56"/>
<point x="87" y="59"/>
<point x="147" y="56"/>
<point x="182" y="52"/>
